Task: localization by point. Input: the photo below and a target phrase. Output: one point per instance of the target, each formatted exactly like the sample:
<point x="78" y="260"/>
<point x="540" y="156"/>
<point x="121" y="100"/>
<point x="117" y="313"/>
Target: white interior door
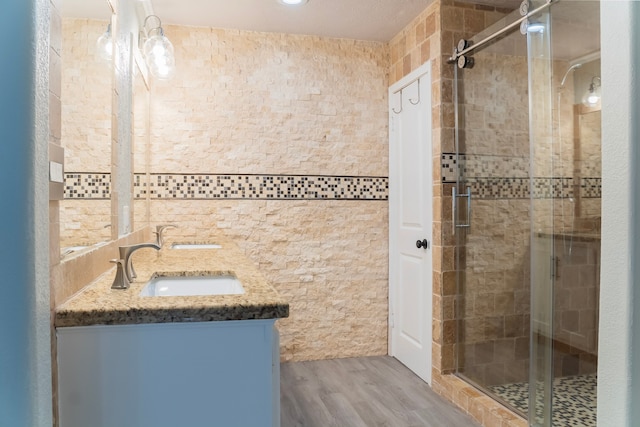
<point x="410" y="216"/>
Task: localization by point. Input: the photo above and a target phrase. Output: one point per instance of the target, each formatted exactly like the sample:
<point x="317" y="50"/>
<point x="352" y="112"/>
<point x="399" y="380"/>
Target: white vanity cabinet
<point x="218" y="374"/>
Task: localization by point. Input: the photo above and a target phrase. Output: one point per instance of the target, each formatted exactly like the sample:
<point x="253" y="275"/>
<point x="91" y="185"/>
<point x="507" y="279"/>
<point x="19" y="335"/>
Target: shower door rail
<point x="463" y="48"/>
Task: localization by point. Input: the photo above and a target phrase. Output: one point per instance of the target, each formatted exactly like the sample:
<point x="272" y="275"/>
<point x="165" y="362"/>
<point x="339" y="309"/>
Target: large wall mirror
<point x="141" y="144"/>
<point x="91" y="212"/>
<point x="85" y="212"/>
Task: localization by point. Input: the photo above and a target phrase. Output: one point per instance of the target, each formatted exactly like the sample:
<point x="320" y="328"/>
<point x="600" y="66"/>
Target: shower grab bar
<point x="454" y="208"/>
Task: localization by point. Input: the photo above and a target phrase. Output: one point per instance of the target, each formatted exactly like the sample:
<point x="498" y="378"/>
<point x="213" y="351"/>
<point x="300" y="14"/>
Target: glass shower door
<point x="526" y="206"/>
<point x="493" y="218"/>
<point x="564" y="72"/>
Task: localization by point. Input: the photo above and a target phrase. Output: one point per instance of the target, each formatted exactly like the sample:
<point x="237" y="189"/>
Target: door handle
<point x="424" y="243"/>
<point x="454" y="209"/>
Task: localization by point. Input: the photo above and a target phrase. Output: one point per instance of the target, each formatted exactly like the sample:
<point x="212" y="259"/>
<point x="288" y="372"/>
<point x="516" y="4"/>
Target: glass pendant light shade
<point x="591" y="97"/>
<point x="158" y="53"/>
<point x="104" y="46"/>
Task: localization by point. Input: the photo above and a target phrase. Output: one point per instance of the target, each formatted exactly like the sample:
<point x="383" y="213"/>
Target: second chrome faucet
<point x="125" y="272"/>
<point x="159" y="233"/>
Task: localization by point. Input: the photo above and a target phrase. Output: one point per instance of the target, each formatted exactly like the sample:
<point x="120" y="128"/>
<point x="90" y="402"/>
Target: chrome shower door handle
<point x="454" y="208"/>
<point x="468" y="225"/>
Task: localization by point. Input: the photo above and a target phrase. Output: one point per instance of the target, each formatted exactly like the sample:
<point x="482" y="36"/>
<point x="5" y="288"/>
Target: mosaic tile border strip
<point x="487" y="183"/>
<point x="448" y="167"/>
<point x="591" y="188"/>
<point x="263" y="187"/>
<point x="97" y="186"/>
<point x="87" y="185"/>
<point x="574" y="399"/>
<point x="483" y="166"/>
<point x="544" y="188"/>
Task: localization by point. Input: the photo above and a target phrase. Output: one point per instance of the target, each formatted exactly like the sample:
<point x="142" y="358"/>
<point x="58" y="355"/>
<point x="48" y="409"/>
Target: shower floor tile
<point x="574" y="399"/>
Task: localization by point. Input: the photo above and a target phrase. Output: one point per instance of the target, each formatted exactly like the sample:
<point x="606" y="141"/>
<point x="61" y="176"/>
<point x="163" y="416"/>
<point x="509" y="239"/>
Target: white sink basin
<point x="173" y="286"/>
<point x="195" y="246"/>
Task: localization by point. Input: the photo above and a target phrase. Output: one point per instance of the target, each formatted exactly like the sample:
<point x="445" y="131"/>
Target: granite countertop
<point x="98" y="304"/>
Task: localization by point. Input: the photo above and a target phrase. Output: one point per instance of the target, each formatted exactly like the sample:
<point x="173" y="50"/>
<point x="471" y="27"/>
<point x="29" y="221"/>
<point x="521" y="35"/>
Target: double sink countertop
<point x="98" y="304"/>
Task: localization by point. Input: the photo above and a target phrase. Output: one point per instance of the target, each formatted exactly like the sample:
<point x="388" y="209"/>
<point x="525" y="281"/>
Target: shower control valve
<point x="424" y="243"/>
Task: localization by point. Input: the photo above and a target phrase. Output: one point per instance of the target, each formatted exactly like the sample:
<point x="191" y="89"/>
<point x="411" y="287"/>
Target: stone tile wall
<point x="86" y="120"/>
<point x="261" y="103"/>
<point x="576" y="302"/>
<point x="86" y="93"/>
<point x="261" y="109"/>
<point x="328" y="258"/>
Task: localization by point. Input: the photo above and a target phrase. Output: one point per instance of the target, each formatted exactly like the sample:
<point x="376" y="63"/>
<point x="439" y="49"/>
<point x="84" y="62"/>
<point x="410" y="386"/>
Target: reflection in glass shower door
<point x="493" y="219"/>
<point x="543" y="260"/>
<point x="528" y="261"/>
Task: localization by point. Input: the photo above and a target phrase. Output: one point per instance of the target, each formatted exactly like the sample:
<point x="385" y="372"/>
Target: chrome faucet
<point x="159" y="233"/>
<point x="120" y="282"/>
<point x="125" y="273"/>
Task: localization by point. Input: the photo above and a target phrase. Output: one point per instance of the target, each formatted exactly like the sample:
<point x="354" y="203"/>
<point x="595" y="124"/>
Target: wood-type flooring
<point x="362" y="392"/>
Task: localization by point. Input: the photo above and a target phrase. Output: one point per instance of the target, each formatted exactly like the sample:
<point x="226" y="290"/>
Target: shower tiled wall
<point x="496" y="160"/>
<point x="500" y="177"/>
<point x="576" y="300"/>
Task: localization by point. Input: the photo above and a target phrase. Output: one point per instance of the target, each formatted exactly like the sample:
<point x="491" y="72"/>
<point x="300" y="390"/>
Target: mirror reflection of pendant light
<point x="591" y="97"/>
<point x="104" y="45"/>
<point x="158" y="52"/>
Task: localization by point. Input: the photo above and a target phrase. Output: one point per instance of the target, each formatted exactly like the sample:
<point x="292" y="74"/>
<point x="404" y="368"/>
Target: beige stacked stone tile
<point x="86" y="94"/>
<point x="85" y="117"/>
<point x="247" y="102"/>
<point x="326" y="258"/>
<point x="84" y="222"/>
<point x="261" y="103"/>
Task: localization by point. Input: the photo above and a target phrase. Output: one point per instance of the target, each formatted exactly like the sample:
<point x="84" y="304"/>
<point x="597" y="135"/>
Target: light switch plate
<point x="56" y="172"/>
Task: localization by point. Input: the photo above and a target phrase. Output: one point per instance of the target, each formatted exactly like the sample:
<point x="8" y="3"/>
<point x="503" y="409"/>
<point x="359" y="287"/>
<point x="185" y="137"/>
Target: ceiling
<point x="377" y="20"/>
<point x="575" y="22"/>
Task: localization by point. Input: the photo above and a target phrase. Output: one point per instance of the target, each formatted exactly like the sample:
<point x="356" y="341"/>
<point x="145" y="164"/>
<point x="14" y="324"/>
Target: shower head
<point x="566" y="74"/>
